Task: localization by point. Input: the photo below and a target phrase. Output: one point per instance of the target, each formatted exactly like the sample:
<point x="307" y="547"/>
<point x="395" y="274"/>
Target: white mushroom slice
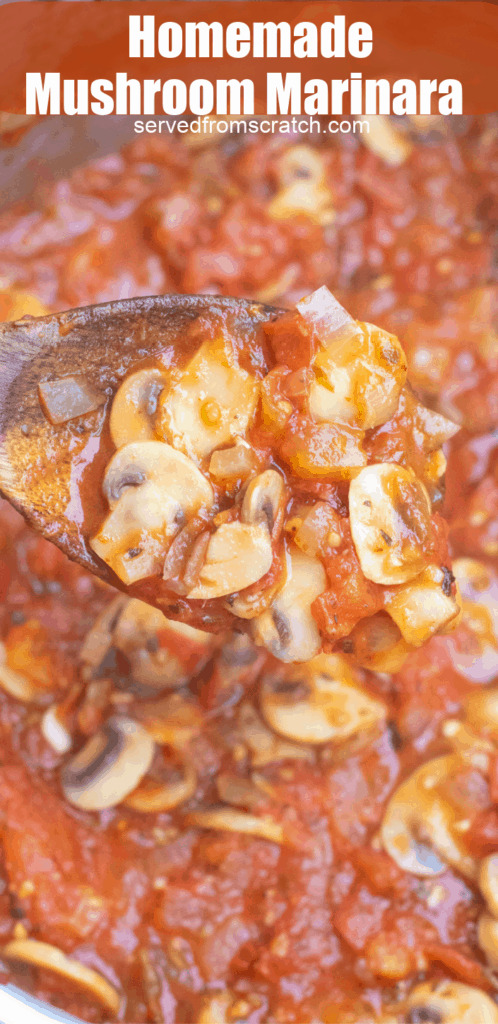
<point x="238" y="555"/>
<point x="19" y="686"/>
<point x="50" y="958"/>
<point x="418" y="830"/>
<point x="211" y="403"/>
<point x="304" y="188"/>
<point x="134" y="407"/>
<point x="477" y="657"/>
<point x="227" y="819"/>
<point x="98" y="640"/>
<point x="358" y="378"/>
<point x="450" y="1002"/>
<point x="322" y="703"/>
<point x="264" y="501"/>
<point x="152" y="490"/>
<point x="288" y="629"/>
<point x="171" y="721"/>
<point x="390" y="519"/>
<point x="153" y="797"/>
<point x="487" y="937"/>
<point x="109" y="766"/>
<point x="162" y="654"/>
<point x="376" y="643"/>
<point x="264" y="746"/>
<point x="424" y="606"/>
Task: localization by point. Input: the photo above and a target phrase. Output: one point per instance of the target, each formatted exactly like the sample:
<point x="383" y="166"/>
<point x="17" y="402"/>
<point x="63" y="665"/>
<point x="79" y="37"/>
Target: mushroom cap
<point x="323" y="702"/>
<point x="135" y="405"/>
<point x="358" y="377"/>
<point x="211" y="402"/>
<point x="418" y="827"/>
<point x="51" y="958"/>
<point x="390" y="519"/>
<point x="264" y="500"/>
<point x="109" y="766"/>
<point x="287" y="629"/>
<point x="152" y="490"/>
<point x="238" y="554"/>
<point x="452" y="1003"/>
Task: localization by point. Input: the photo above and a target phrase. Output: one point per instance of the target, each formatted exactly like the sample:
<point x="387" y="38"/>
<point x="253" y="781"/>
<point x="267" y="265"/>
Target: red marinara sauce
<point x="272" y="890"/>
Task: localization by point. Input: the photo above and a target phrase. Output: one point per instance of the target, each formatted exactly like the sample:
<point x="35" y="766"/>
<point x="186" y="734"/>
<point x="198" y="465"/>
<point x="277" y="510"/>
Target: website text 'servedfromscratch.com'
<point x="254" y="126"/>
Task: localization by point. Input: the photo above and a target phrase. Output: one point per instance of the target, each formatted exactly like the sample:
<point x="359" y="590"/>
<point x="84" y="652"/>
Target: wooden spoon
<point x="41" y="466"/>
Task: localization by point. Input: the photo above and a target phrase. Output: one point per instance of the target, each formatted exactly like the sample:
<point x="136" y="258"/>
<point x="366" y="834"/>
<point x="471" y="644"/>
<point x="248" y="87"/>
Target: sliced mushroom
<point x="264" y="501"/>
<point x="449" y="1002"/>
<point x="423" y="606"/>
<point x="390" y="519"/>
<point x="154" y="796"/>
<point x="171" y="721"/>
<point x="134" y="407"/>
<point x="264" y="746"/>
<point x="481" y="712"/>
<point x="376" y="643"/>
<point x="50" y="958"/>
<point x="358" y="378"/>
<point x="162" y="654"/>
<point x="211" y="402"/>
<point x="488" y="881"/>
<point x="109" y="766"/>
<point x="323" y="702"/>
<point x="418" y="830"/>
<point x="238" y="554"/>
<point x="227" y="819"/>
<point x="98" y="640"/>
<point x="287" y="629"/>
<point x="19" y="686"/>
<point x="477" y="657"/>
<point x="152" y="490"/>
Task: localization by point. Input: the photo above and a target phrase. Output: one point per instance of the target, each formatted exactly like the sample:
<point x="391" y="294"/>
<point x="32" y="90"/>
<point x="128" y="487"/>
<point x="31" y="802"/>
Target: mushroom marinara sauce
<point x="291" y="816"/>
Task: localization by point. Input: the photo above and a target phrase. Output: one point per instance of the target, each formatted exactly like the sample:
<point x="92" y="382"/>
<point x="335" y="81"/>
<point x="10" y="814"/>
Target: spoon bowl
<point x="41" y="466"/>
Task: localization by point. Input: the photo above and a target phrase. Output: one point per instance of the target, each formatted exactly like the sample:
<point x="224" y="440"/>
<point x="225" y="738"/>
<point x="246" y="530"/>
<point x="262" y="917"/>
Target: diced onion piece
<point x="50" y="958"/>
<point x="235" y="463"/>
<point x="68" y="397"/>
<point x="287" y="629"/>
<point x="55" y="732"/>
<point x="418" y="830"/>
<point x="238" y="555"/>
<point x="359" y="378"/>
<point x="322" y="702"/>
<point x="227" y="819"/>
<point x="390" y="518"/>
<point x="386" y="141"/>
<point x="325" y="315"/>
<point x="211" y="402"/>
<point x="423" y="606"/>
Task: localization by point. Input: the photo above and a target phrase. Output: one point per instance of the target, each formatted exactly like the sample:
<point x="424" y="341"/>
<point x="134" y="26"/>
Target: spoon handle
<point x="17" y="1006"/>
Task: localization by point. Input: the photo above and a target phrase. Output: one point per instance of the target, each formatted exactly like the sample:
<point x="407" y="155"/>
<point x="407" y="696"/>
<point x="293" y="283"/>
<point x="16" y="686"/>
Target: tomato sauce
<point x="188" y="921"/>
